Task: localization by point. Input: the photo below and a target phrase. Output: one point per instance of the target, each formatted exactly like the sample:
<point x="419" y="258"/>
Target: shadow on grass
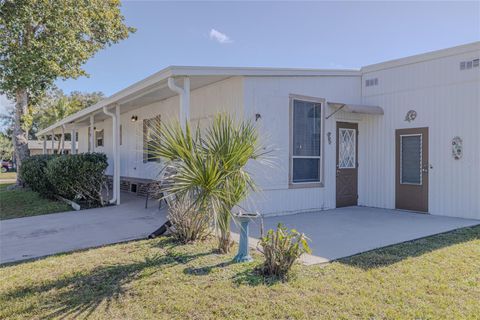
<point x="202" y="271"/>
<point x="80" y="294"/>
<point x="392" y="254"/>
<point x="253" y="277"/>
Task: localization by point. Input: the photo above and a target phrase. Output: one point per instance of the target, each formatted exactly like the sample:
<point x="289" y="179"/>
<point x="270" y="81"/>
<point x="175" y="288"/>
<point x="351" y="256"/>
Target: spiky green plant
<point x="211" y="166"/>
<point x="281" y="248"/>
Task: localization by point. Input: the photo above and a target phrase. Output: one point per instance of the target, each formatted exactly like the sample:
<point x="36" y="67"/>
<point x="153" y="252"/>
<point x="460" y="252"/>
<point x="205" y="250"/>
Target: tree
<point x="42" y="40"/>
<point x="6" y="147"/>
<point x="56" y="105"/>
<point x="211" y="166"/>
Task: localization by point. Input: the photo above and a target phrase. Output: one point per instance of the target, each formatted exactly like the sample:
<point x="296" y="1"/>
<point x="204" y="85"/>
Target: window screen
<point x="306" y="140"/>
<point x="150" y="138"/>
<point x="99" y="138"/>
<point x="411" y="159"/>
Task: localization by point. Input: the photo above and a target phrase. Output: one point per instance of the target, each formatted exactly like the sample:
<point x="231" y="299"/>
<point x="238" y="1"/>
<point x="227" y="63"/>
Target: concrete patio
<point x="334" y="233"/>
<point x="39" y="236"/>
<point x="343" y="232"/>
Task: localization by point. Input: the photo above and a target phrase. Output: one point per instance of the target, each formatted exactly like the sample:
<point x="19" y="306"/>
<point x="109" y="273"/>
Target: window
<point x="411" y="159"/>
<point x="150" y="138"/>
<point x="121" y="134"/>
<point x="347" y="148"/>
<point x="306" y="141"/>
<point x="99" y="138"/>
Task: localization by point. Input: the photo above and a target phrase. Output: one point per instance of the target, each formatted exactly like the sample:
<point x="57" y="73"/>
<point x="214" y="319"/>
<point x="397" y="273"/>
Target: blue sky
<point x="275" y="34"/>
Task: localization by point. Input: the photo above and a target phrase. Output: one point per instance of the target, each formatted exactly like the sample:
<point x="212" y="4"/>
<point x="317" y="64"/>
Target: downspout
<point x="92" y="133"/>
<point x="73" y="141"/>
<point x="44" y="144"/>
<point x="53" y="142"/>
<point x="184" y="94"/>
<point x="116" y="163"/>
<point x="63" y="139"/>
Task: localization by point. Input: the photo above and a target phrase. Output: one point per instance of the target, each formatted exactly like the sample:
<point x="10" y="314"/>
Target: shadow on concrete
<point x="395" y="253"/>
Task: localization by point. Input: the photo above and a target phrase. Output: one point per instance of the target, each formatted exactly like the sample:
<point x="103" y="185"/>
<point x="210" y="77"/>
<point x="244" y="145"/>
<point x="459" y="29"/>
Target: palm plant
<point x="210" y="166"/>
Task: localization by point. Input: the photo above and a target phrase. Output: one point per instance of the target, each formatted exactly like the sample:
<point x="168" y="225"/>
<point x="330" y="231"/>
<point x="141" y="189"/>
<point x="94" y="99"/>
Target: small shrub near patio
<point x="78" y="177"/>
<point x="281" y="248"/>
<point x="32" y="173"/>
<point x="189" y="223"/>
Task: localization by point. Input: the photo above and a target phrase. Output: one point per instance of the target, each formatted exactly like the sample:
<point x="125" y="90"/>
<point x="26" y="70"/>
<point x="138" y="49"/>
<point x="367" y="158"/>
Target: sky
<point x="328" y="35"/>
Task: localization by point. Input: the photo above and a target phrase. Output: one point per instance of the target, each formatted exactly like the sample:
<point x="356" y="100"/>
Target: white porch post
<point x="53" y="142"/>
<point x="184" y="94"/>
<point x="44" y="144"/>
<point x="74" y="141"/>
<point x="116" y="155"/>
<point x="63" y="140"/>
<point x="92" y="134"/>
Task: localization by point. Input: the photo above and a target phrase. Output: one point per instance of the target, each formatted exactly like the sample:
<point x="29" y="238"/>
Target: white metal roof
<point x="200" y="76"/>
<point x="470" y="47"/>
<point x="154" y="87"/>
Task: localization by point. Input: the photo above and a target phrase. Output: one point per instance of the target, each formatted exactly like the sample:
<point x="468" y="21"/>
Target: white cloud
<point x="219" y="36"/>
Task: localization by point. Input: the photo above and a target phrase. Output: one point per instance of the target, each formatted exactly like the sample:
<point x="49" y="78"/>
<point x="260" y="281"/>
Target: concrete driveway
<point x="348" y="231"/>
<point x="334" y="233"/>
<point x="38" y="236"/>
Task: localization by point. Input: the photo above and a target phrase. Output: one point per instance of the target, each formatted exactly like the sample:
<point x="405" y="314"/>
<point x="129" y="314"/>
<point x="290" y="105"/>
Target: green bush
<point x="281" y="249"/>
<point x="78" y="177"/>
<point x="32" y="173"/>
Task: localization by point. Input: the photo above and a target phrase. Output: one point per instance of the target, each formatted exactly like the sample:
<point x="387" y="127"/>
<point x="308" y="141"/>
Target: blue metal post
<point x="243" y="254"/>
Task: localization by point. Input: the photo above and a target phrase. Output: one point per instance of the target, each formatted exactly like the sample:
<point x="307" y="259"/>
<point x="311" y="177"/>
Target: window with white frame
<point x="99" y="138"/>
<point x="150" y="138"/>
<point x="306" y="140"/>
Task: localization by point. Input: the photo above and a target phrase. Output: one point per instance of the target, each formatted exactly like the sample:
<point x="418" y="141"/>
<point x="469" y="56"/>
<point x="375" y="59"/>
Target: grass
<point x="24" y="203"/>
<point x="432" y="278"/>
<point x="8" y="175"/>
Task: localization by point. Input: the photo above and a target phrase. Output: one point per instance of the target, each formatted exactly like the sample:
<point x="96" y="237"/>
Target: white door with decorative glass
<point x="306" y="138"/>
<point x="347" y="148"/>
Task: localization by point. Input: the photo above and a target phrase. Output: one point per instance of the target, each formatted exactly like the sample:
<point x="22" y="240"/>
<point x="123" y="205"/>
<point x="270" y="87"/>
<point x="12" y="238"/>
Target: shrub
<point x="212" y="165"/>
<point x="33" y="174"/>
<point x="78" y="177"/>
<point x="281" y="249"/>
<point x="189" y="223"/>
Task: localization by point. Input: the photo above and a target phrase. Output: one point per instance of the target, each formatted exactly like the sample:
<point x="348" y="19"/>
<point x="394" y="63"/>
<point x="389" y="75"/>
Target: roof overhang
<point x="154" y="88"/>
<point x="355" y="108"/>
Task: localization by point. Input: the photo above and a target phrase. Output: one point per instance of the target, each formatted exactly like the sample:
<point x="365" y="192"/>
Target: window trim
<point x="102" y="131"/>
<point x="313" y="184"/>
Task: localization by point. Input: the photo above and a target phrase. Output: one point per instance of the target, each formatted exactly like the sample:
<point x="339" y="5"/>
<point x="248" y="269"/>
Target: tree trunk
<point x="20" y="135"/>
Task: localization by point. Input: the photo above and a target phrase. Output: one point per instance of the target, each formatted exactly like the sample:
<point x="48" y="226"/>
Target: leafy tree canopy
<point x="42" y="40"/>
<point x="53" y="106"/>
<point x="56" y="105"/>
<point x="6" y="147"/>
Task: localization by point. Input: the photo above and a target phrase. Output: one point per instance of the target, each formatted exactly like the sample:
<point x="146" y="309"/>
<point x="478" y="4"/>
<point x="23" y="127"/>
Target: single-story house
<point x="48" y="147"/>
<point x="398" y="134"/>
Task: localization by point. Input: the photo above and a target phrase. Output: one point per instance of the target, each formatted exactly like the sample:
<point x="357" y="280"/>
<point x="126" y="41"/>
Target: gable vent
<point x="465" y="65"/>
<point x="371" y="82"/>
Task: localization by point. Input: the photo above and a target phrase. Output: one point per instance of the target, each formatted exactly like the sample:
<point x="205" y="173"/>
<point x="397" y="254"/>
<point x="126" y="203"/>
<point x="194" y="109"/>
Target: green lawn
<point x="433" y="278"/>
<point x="8" y="175"/>
<point x="22" y="203"/>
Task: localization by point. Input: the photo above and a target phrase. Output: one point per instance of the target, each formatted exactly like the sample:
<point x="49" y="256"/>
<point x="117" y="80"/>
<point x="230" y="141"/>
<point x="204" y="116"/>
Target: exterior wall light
<point x="134" y="118"/>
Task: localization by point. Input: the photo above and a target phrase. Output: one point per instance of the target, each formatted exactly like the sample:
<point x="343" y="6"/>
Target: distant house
<point x="36" y="147"/>
<point x="398" y="134"/>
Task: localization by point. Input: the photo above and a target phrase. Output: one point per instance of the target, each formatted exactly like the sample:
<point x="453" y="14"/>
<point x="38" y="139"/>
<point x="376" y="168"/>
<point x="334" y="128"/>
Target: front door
<point x="347" y="171"/>
<point x="411" y="192"/>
